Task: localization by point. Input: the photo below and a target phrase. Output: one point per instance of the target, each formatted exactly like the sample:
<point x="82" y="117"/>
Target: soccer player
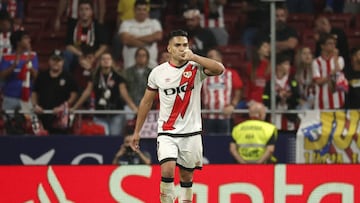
<point x="179" y="141"/>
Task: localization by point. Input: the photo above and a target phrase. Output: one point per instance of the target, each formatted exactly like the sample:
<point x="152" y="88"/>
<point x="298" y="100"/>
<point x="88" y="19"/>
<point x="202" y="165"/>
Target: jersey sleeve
<point x="152" y="81"/>
<point x="202" y="72"/>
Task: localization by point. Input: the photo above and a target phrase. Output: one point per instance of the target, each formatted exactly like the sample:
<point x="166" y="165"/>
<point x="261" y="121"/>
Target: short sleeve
<point x="124" y="27"/>
<point x="156" y="25"/>
<point x="152" y="81"/>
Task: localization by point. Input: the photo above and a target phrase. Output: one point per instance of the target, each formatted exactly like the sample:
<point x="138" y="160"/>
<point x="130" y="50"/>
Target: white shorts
<point x="186" y="151"/>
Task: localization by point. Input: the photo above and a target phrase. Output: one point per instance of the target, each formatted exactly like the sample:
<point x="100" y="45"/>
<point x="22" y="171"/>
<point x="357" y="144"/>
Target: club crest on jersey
<point x="187" y="74"/>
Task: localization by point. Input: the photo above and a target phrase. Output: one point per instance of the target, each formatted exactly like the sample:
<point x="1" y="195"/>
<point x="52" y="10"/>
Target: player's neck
<point x="177" y="63"/>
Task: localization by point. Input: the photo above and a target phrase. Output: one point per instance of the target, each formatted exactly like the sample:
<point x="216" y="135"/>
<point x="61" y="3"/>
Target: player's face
<point x="177" y="46"/>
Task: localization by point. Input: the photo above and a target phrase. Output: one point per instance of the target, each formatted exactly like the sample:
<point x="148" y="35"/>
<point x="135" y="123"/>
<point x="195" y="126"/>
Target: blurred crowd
<point x="97" y="55"/>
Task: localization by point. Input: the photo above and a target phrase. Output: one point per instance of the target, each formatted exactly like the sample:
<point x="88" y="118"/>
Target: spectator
<point x="257" y="14"/>
<point x="72" y="7"/>
<point x="286" y="36"/>
<point x="6" y="28"/>
<point x="258" y="71"/>
<point x="322" y="25"/>
<point x="304" y="77"/>
<point x="254" y="139"/>
<point x="140" y="32"/>
<point x="86" y="32"/>
<point x="110" y="94"/>
<point x="287" y="94"/>
<point x="325" y="68"/>
<point x="126" y="156"/>
<point x="212" y="17"/>
<point x="136" y="76"/>
<point x="15" y="8"/>
<point x="55" y="90"/>
<point x="164" y="56"/>
<point x="125" y="10"/>
<point x="201" y="39"/>
<point x="85" y="69"/>
<point x="17" y="70"/>
<point x="353" y="96"/>
<point x="222" y="93"/>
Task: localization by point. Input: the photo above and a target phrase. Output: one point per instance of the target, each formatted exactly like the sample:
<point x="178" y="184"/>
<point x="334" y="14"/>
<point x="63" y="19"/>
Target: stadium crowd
<point x="68" y="55"/>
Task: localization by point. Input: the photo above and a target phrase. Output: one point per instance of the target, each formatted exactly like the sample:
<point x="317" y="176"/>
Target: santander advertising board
<point x="214" y="184"/>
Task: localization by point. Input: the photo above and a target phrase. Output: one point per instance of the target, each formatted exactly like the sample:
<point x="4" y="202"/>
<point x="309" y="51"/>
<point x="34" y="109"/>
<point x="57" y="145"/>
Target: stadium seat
<point x="300" y="21"/>
<point x="41" y="8"/>
<point x="34" y="26"/>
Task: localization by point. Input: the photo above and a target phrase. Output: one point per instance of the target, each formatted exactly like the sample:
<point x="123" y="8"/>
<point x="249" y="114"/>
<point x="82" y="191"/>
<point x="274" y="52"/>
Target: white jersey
<point x="179" y="92"/>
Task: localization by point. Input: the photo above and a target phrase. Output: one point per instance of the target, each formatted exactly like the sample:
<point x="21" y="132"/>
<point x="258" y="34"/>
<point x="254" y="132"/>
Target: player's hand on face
<point x="188" y="55"/>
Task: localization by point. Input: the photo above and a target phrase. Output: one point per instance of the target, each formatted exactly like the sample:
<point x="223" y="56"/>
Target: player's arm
<point x="211" y="67"/>
<point x="143" y="110"/>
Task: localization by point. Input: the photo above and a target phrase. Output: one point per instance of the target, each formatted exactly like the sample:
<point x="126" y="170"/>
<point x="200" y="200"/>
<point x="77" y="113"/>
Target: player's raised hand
<point x="188" y="55"/>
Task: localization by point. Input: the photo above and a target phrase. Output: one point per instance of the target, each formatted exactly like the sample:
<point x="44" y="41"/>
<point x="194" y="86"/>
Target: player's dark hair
<point x="177" y="33"/>
<point x="141" y="2"/>
<point x="16" y="37"/>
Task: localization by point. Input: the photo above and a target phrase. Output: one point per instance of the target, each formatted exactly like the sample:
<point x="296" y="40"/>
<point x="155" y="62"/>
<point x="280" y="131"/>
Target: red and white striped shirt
<point x="324" y="97"/>
<point x="218" y="91"/>
<point x="207" y="22"/>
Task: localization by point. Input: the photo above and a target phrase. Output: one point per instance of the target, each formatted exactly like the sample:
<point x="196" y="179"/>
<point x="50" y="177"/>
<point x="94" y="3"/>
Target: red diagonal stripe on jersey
<point x="180" y="105"/>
